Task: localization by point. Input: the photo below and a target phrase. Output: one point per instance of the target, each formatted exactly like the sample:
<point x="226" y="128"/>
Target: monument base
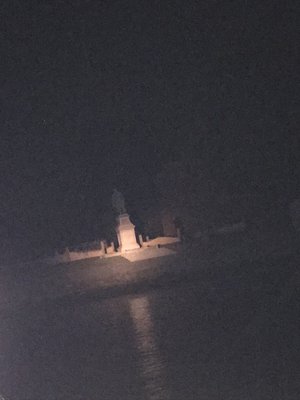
<point x="126" y="234"/>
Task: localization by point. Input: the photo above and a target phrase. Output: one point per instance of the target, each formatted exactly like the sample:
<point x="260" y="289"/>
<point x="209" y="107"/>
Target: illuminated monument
<point x="125" y="228"/>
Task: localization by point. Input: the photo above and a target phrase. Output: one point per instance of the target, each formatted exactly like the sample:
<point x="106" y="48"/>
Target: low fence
<point x="69" y="256"/>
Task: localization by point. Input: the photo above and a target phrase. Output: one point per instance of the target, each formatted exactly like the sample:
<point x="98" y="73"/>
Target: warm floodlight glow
<point x="126" y="234"/>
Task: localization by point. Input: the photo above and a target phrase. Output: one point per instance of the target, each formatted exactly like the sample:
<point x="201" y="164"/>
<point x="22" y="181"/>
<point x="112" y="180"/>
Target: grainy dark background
<point x="96" y="94"/>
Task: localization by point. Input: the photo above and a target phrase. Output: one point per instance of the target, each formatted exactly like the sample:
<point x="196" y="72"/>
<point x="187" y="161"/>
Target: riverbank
<point x="235" y="259"/>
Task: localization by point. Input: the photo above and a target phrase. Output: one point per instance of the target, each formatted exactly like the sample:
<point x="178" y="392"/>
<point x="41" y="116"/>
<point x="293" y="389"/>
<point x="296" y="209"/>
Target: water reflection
<point x="151" y="363"/>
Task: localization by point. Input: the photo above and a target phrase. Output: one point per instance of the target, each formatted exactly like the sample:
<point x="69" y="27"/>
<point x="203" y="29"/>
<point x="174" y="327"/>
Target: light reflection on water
<point x="152" y="365"/>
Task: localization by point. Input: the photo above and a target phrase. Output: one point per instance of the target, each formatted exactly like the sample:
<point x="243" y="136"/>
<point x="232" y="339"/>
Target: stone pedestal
<point x="126" y="234"/>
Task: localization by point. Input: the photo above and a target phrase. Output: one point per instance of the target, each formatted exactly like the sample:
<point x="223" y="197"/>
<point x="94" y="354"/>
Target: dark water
<point x="191" y="341"/>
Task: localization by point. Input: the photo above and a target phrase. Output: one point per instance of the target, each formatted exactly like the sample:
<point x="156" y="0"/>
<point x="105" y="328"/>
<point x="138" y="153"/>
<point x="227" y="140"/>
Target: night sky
<point x="97" y="94"/>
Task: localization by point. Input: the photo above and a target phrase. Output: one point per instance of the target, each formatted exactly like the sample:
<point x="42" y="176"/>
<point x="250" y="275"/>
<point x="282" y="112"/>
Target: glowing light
<point x="126" y="234"/>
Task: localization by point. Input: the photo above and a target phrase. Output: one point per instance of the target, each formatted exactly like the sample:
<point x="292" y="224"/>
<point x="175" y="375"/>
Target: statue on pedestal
<point x="118" y="202"/>
<point x="125" y="228"/>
